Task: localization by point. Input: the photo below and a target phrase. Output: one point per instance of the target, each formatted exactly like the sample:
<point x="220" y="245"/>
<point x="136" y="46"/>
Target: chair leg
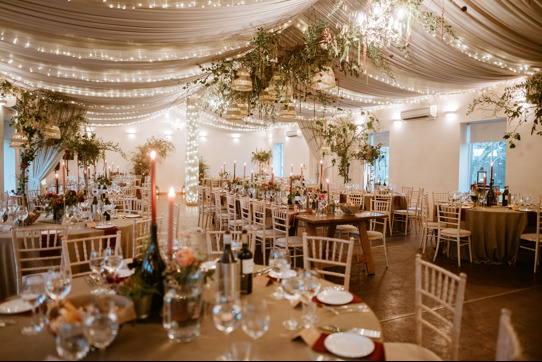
<point x="436" y="250"/>
<point x="385" y="251"/>
<point x="459" y="251"/>
<point x="423" y="241"/>
<point x="470" y="249"/>
<point x="536" y="257"/>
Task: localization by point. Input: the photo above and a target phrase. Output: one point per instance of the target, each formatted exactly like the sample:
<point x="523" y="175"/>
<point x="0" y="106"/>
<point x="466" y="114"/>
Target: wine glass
<point x="279" y="261"/>
<point x="256" y="319"/>
<point x="113" y="261"/>
<point x="292" y="289"/>
<point x="482" y="198"/>
<point x="227" y="314"/>
<point x="33" y="293"/>
<point x="58" y="285"/>
<point x="71" y="342"/>
<point x="69" y="215"/>
<point x="311" y="288"/>
<point x="97" y="267"/>
<point x="102" y="325"/>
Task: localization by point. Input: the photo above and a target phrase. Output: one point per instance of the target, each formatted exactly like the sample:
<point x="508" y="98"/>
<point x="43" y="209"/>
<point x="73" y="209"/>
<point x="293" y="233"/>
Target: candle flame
<point x="172" y="192"/>
<point x="153" y="155"/>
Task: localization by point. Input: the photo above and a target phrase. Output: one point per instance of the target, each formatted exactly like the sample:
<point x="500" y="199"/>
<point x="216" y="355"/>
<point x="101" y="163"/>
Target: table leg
<point x="313" y="230"/>
<point x="362" y="226"/>
<point x="331" y="229"/>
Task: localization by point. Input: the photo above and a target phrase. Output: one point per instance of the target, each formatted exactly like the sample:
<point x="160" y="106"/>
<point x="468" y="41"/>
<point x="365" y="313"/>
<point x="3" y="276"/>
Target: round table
<point x="148" y="341"/>
<point x="496" y="233"/>
<point x="8" y="275"/>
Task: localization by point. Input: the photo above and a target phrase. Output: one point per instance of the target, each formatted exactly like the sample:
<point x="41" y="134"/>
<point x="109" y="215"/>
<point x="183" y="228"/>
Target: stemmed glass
<point x="69" y="216"/>
<point x="58" y="285"/>
<point x="256" y="319"/>
<point x="279" y="261"/>
<point x="113" y="261"/>
<point x="293" y="290"/>
<point x="71" y="342"/>
<point x="482" y="198"/>
<point x="227" y="314"/>
<point x="311" y="288"/>
<point x="97" y="266"/>
<point x="33" y="293"/>
<point x="102" y="325"/>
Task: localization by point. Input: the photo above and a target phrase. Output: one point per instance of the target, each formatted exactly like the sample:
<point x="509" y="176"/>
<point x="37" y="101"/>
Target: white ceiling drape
<point x="130" y="65"/>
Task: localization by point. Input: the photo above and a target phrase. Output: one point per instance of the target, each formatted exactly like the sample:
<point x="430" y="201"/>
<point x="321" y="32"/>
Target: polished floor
<point x="390" y="293"/>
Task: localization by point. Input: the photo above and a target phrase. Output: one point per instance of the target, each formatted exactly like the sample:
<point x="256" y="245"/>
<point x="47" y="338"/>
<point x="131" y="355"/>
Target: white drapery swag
<point x="46" y="160"/>
<point x="314" y="141"/>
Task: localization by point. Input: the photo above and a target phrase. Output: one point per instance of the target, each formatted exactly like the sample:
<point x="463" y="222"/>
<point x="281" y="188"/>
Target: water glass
<point x="256" y="319"/>
<point x="58" y="285"/>
<point x="227" y="314"/>
<point x="71" y="342"/>
<point x="279" y="261"/>
<point x="33" y="293"/>
<point x="113" y="261"/>
<point x="102" y="324"/>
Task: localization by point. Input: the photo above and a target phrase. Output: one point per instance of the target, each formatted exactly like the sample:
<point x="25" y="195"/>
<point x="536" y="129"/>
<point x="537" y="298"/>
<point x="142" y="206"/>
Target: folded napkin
<point x="378" y="354"/>
<point x="356" y="300"/>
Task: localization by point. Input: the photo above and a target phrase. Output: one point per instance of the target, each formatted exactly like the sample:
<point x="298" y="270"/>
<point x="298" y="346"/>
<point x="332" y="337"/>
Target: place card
<point x="262" y="281"/>
<point x="309" y="335"/>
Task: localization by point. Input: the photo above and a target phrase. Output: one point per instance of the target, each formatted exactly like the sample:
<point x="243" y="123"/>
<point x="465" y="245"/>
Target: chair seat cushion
<point x="375" y="235"/>
<point x="236" y="222"/>
<point x="268" y="234"/>
<point x="408" y="352"/>
<point x="530" y="237"/>
<point x="432" y="225"/>
<point x="255" y="227"/>
<point x="454" y="232"/>
<point x="293" y="242"/>
<point x="405" y="212"/>
<point x="347" y="229"/>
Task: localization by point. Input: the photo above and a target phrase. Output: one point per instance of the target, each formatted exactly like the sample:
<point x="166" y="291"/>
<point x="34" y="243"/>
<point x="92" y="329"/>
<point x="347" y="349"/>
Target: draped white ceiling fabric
<point x="127" y="60"/>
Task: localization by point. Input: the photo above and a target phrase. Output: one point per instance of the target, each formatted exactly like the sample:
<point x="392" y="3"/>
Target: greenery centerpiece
<point x="55" y="204"/>
<point x="262" y="159"/>
<point x="141" y="160"/>
<point x="520" y="103"/>
<point x="347" y="140"/>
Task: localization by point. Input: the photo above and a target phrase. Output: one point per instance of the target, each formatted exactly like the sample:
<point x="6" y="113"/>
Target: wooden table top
<point x="337" y="219"/>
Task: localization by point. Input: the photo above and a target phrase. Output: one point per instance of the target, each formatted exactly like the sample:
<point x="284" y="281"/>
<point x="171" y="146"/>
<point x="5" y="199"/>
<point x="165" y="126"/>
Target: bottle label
<point x="248" y="266"/>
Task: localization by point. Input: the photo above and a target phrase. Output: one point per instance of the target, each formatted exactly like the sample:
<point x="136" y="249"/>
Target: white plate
<point x="104" y="227"/>
<point x="125" y="273"/>
<point x="132" y="216"/>
<point x="287" y="275"/>
<point x="348" y="345"/>
<point x="16" y="306"/>
<point x="335" y="297"/>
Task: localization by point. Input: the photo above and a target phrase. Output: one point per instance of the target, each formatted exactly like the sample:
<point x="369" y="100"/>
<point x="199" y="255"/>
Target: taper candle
<point x="245" y="172"/>
<point x="64" y="176"/>
<point x="56" y="175"/>
<point x="171" y="199"/>
<point x="234" y="168"/>
<point x="153" y="186"/>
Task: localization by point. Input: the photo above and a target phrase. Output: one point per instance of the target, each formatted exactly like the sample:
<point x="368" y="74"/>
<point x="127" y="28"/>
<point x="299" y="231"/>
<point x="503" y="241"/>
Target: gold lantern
<point x="19" y="140"/>
<point x="243" y="82"/>
<point x="287" y="111"/>
<point x="52" y="132"/>
<point x="267" y="98"/>
<point x="233" y="113"/>
<point x="323" y="80"/>
<point x="243" y="108"/>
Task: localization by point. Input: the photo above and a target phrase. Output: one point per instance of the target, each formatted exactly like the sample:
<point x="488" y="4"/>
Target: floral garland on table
<point x="141" y="160"/>
<point x="269" y="187"/>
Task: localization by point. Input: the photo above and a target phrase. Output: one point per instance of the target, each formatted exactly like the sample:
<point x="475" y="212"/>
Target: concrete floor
<point x="390" y="293"/>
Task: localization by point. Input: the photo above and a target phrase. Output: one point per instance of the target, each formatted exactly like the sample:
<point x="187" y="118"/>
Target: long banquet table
<point x="8" y="275"/>
<point x="148" y="341"/>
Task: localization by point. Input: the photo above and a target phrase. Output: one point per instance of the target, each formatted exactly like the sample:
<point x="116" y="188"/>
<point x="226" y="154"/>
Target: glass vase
<point x="183" y="311"/>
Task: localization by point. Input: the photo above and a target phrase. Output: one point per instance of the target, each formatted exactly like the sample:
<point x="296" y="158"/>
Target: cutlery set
<point x="357" y="308"/>
<point x="362" y="332"/>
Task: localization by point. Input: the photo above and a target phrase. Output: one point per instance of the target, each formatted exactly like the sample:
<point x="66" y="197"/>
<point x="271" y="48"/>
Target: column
<point x="192" y="151"/>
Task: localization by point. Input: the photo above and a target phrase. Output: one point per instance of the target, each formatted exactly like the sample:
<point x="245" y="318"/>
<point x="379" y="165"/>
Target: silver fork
<point x="362" y="308"/>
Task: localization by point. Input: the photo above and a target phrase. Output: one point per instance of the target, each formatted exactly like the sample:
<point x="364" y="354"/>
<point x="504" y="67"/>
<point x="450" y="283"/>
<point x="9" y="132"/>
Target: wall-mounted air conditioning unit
<point x="292" y="134"/>
<point x="420" y="113"/>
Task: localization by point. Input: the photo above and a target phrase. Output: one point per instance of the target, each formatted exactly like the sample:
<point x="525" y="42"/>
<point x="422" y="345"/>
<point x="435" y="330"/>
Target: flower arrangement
<point x="56" y="203"/>
<point x="224" y="175"/>
<point x="185" y="265"/>
<point x="262" y="158"/>
<point x="141" y="160"/>
<point x="371" y="154"/>
<point x="269" y="186"/>
<point x="136" y="288"/>
<point x="103" y="180"/>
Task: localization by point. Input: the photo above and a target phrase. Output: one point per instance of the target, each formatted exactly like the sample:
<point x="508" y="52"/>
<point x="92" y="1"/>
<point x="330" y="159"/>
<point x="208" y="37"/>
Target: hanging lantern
<point x="287" y="111"/>
<point x="267" y="98"/>
<point x="243" y="83"/>
<point x="243" y="109"/>
<point x="324" y="79"/>
<point x="52" y="132"/>
<point x="18" y="141"/>
<point x="233" y="113"/>
<point x="287" y="91"/>
<point x="326" y="149"/>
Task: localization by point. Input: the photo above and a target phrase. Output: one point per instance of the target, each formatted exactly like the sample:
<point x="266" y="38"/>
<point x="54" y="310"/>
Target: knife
<point x="359" y="331"/>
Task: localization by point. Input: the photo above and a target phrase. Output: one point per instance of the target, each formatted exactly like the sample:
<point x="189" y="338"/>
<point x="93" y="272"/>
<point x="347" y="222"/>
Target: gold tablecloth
<point x="148" y="341"/>
<point x="8" y="276"/>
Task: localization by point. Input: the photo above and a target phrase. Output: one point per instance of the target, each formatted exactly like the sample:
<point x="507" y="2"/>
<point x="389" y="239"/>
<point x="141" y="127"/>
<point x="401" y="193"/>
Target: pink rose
<point x="185" y="257"/>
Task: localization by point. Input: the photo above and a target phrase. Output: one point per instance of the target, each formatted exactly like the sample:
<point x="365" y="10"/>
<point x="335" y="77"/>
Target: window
<point x="486" y="146"/>
<point x="382" y="168"/>
<point x="278" y="159"/>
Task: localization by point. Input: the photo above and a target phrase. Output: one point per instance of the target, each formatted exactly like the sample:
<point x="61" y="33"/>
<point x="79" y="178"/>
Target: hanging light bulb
<point x="243" y="82"/>
<point x="324" y="79"/>
<point x="19" y="140"/>
<point x="52" y="132"/>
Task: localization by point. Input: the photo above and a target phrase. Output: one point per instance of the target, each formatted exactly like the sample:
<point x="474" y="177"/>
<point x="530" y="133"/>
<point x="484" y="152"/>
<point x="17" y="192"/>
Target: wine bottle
<point x="505" y="196"/>
<point x="152" y="269"/>
<point x="247" y="265"/>
<point x="228" y="272"/>
<point x="95" y="209"/>
<point x="491" y="195"/>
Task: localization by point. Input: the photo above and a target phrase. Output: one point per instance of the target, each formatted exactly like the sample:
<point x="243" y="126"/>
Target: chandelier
<point x="383" y="22"/>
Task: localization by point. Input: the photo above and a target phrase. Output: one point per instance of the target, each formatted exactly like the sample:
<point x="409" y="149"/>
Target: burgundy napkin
<point x="378" y="354"/>
<point x="356" y="300"/>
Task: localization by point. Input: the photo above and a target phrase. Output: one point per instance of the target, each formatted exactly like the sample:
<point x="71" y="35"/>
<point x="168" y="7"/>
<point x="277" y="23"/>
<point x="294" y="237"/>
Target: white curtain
<point x="46" y="160"/>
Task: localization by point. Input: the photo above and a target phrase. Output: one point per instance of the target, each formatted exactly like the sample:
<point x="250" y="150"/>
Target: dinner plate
<point x="132" y="216"/>
<point x="348" y="345"/>
<point x="286" y="275"/>
<point x="16" y="306"/>
<point x="104" y="227"/>
<point x="335" y="297"/>
<point x="124" y="273"/>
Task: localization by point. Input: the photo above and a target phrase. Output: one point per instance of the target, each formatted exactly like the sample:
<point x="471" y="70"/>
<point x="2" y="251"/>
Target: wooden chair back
<point x="321" y="253"/>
